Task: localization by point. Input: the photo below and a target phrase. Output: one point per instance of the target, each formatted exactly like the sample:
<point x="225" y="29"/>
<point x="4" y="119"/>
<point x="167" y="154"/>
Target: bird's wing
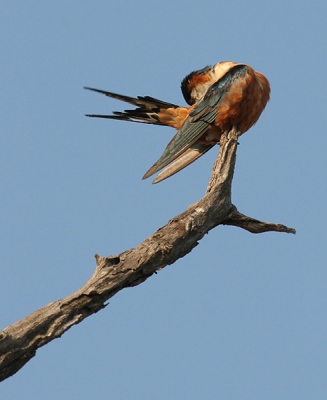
<point x="146" y="112"/>
<point x="190" y="155"/>
<point x="199" y="120"/>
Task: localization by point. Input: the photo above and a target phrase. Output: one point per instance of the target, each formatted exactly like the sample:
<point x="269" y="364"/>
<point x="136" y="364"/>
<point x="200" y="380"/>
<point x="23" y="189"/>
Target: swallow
<point x="220" y="97"/>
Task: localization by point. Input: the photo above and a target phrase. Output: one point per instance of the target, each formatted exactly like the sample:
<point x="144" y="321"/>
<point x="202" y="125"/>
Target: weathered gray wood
<point x="19" y="341"/>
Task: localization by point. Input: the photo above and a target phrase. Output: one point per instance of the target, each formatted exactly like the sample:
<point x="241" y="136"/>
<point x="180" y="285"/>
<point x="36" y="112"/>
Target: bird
<point x="219" y="97"/>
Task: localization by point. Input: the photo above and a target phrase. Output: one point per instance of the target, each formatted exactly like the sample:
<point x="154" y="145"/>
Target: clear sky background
<point x="241" y="317"/>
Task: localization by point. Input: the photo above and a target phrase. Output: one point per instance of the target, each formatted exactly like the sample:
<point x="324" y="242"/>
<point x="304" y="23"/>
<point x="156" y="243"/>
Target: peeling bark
<point x="19" y="341"/>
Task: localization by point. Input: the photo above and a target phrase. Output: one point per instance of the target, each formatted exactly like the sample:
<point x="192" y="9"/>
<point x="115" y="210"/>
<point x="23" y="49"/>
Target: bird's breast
<point x="244" y="102"/>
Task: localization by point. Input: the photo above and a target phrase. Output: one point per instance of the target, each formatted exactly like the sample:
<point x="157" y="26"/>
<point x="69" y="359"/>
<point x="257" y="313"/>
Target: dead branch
<point x="19" y="341"/>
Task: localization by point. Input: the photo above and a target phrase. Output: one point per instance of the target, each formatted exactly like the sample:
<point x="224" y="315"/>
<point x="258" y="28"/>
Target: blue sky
<point x="241" y="317"/>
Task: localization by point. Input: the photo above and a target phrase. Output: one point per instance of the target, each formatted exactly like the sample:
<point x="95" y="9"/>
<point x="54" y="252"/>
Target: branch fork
<point x="20" y="341"/>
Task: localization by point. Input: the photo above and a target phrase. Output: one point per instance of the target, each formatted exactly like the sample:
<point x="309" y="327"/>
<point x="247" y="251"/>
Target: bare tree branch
<point x="19" y="341"/>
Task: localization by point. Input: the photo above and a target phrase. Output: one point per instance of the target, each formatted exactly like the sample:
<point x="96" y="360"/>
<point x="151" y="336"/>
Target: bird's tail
<point x="153" y="111"/>
<point x="149" y="110"/>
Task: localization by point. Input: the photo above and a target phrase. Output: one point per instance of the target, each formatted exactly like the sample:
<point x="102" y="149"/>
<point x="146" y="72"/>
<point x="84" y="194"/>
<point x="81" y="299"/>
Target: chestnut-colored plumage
<point x="220" y="97"/>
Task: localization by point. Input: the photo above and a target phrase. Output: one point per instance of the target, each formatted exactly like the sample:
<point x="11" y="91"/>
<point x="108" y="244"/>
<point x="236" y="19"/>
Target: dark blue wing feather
<point x="217" y="92"/>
